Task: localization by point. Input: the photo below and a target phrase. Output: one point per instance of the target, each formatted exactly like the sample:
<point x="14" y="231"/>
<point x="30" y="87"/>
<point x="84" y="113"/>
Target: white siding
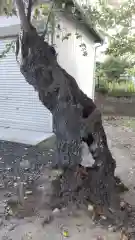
<point x="70" y="55"/>
<point x="20" y="107"/>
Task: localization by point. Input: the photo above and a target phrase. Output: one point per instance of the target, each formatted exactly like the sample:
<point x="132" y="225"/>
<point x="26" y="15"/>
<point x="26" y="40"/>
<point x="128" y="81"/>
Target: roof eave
<point x="92" y="30"/>
<point x="98" y="37"/>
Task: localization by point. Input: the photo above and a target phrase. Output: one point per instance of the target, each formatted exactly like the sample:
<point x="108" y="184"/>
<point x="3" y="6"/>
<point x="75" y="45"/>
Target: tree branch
<point x="29" y="10"/>
<point x="23" y="18"/>
<point x="48" y="19"/>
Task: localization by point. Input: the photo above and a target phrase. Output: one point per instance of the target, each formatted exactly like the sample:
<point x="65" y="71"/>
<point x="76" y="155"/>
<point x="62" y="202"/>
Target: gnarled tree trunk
<point x="75" y="116"/>
<point x="75" y="120"/>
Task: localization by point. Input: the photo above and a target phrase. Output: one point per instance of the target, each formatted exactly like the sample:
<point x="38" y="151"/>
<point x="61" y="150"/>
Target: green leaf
<point x="66" y="37"/>
<point x="9" y="47"/>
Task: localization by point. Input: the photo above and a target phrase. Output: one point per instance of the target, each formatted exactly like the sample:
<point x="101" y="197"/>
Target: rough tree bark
<point x="75" y="120"/>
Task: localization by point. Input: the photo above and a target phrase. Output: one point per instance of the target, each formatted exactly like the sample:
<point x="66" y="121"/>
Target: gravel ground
<point x="33" y="219"/>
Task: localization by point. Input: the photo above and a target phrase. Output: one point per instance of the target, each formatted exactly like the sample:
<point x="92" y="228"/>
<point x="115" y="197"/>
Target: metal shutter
<point x="20" y="107"/>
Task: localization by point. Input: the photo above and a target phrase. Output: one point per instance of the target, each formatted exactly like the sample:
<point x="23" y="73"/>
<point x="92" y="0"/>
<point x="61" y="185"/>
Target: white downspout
<point x="94" y="68"/>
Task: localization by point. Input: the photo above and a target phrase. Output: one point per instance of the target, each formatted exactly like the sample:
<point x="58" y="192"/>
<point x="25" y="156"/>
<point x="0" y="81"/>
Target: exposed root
<point x="120" y="186"/>
<point x="84" y="188"/>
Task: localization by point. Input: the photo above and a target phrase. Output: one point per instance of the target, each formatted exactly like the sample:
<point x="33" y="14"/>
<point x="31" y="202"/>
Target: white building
<point x="23" y="118"/>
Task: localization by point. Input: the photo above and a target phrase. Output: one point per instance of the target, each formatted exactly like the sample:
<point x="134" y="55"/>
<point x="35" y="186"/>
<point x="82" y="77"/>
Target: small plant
<point x="116" y="89"/>
<point x="101" y="87"/>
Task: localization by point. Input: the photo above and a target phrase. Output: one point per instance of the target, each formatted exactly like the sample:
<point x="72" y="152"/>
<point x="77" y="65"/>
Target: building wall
<point x="20" y="107"/>
<point x="27" y="111"/>
<point x="70" y="55"/>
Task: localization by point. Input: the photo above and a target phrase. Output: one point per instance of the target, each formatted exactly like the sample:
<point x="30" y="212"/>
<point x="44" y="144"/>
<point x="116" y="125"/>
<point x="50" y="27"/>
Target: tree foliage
<point x="117" y="23"/>
<point x="7" y="7"/>
<point x="9" y="46"/>
<point x="113" y="67"/>
<point x="48" y="13"/>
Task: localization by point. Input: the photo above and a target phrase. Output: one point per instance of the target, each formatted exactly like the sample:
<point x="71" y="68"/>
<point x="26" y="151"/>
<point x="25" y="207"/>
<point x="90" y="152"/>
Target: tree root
<point x="84" y="188"/>
<point x="120" y="186"/>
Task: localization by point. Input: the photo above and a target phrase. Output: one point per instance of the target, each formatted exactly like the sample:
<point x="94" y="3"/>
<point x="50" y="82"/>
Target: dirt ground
<point x="33" y="221"/>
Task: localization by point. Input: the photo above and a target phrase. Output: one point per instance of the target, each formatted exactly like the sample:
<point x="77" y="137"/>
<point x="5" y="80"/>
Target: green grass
<point x="123" y="86"/>
<point x="116" y="89"/>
